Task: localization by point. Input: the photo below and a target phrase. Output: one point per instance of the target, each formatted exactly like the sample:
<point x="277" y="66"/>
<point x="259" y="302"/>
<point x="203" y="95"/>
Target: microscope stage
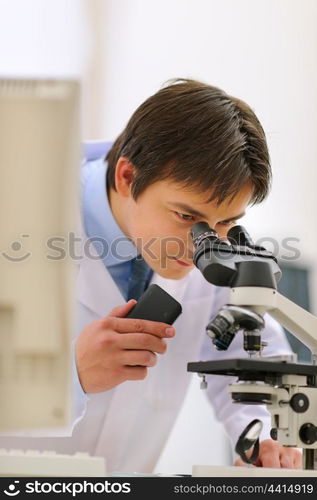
<point x="251" y="368"/>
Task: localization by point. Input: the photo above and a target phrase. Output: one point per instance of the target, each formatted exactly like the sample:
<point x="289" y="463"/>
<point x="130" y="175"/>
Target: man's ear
<point x="124" y="175"/>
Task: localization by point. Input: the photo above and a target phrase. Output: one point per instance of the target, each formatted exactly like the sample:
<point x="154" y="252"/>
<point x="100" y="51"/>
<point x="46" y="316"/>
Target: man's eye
<point x="185" y="216"/>
<point x="227" y="223"/>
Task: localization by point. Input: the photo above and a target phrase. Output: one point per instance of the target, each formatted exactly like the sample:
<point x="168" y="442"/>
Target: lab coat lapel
<point x="95" y="286"/>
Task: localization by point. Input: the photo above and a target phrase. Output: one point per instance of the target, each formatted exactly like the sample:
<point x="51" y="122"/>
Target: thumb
<point x="122" y="311"/>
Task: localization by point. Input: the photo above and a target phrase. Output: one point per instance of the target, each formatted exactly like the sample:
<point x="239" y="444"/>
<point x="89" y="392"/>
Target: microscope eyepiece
<point x="210" y="253"/>
<point x="238" y="235"/>
<point x="201" y="232"/>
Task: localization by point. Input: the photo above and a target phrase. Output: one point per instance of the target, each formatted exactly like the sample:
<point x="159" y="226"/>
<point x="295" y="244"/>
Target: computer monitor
<point x="39" y="167"/>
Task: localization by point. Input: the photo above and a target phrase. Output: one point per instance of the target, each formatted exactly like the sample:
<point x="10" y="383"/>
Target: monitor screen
<point x="39" y="160"/>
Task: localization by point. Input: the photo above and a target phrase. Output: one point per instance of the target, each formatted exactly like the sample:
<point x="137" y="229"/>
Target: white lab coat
<point x="130" y="424"/>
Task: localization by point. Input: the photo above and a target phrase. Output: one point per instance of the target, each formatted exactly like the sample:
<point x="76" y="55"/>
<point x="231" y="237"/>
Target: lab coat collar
<point x="95" y="286"/>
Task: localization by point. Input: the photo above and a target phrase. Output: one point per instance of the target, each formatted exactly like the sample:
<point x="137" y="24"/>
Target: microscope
<point x="288" y="389"/>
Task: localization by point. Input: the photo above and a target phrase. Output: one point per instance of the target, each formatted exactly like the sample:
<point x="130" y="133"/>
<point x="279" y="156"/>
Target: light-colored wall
<point x="43" y="38"/>
<point x="263" y="51"/>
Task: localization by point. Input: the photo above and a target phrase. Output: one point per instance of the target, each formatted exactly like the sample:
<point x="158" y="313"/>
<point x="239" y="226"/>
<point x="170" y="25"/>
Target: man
<point x="189" y="153"/>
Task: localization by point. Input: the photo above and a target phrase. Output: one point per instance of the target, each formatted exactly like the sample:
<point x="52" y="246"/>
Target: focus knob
<point x="299" y="403"/>
<point x="308" y="433"/>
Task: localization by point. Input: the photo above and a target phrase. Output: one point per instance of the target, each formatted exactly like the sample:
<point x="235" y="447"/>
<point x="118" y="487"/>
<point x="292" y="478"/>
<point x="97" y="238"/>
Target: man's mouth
<point x="182" y="263"/>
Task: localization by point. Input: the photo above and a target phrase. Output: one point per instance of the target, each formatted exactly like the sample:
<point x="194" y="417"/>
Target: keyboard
<point x="49" y="463"/>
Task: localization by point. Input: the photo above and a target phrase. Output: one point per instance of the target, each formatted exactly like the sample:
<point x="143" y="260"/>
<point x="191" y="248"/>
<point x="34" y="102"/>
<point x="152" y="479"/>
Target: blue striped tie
<point x="140" y="276"/>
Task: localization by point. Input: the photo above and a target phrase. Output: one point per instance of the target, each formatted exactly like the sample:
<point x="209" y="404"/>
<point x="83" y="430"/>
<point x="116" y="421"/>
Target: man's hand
<point x="273" y="454"/>
<point x="114" y="349"/>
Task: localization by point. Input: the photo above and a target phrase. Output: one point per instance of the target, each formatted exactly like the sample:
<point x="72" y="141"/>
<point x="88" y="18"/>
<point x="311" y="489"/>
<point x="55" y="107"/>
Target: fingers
<point x="273" y="454"/>
<point x="286" y="462"/>
<point x="138" y="358"/>
<point x="126" y="348"/>
<point x="142" y="341"/>
<point x="291" y="458"/>
<point x="298" y="459"/>
<point x="117" y="321"/>
<point x="270" y="459"/>
<point x="126" y="325"/>
<point x="122" y="311"/>
<point x="269" y="454"/>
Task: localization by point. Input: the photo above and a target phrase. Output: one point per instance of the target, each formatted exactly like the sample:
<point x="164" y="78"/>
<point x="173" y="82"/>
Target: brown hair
<point x="197" y="135"/>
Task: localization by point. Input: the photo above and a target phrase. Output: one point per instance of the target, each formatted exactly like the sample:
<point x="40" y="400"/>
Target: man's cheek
<point x="173" y="247"/>
<point x="150" y="249"/>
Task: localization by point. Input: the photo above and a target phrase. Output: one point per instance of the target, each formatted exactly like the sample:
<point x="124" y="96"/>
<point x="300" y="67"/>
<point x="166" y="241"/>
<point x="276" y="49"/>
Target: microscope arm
<point x="293" y="317"/>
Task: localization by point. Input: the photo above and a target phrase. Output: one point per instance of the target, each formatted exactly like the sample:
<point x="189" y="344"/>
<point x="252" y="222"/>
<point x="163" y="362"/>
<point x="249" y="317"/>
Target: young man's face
<point x="159" y="223"/>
